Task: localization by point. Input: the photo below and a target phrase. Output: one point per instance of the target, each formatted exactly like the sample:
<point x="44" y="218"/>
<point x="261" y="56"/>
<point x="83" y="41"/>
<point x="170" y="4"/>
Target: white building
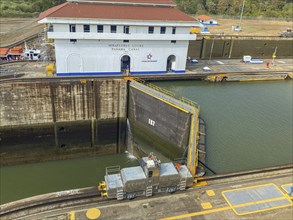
<point x="99" y="37"/>
<point x="206" y="20"/>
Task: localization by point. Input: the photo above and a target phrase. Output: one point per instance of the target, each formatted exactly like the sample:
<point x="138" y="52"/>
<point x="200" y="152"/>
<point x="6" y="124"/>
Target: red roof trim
<point x="204" y="17"/>
<point x="151" y="2"/>
<point x="51" y="10"/>
<point x="116" y="12"/>
<point x="3" y="51"/>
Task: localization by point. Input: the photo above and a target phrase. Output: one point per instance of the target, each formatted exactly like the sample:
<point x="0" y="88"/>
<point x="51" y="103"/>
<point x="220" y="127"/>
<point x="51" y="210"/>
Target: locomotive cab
<point x="151" y="167"/>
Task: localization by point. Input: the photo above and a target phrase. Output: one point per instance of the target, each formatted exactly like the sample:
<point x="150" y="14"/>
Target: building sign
<point x="125" y="47"/>
<point x="149" y="59"/>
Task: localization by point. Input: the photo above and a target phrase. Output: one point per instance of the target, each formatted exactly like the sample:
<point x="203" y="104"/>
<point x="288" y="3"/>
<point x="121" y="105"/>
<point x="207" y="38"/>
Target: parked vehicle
<point x="246" y="59"/>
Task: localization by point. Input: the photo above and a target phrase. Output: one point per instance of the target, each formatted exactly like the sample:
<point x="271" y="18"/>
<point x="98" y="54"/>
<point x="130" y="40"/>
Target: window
<point x="150" y="174"/>
<point x="72" y="28"/>
<point x="163" y="30"/>
<point x="100" y="28"/>
<point x="173" y="41"/>
<point x="174" y="30"/>
<point x="73" y="40"/>
<point x="126" y="30"/>
<point x="113" y="28"/>
<point x="86" y="28"/>
<point x="125" y="41"/>
<point x="50" y="28"/>
<point x="151" y="30"/>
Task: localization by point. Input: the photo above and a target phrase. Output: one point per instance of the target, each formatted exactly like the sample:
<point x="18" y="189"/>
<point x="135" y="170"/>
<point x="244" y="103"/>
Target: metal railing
<point x="166" y="92"/>
<point x="112" y="170"/>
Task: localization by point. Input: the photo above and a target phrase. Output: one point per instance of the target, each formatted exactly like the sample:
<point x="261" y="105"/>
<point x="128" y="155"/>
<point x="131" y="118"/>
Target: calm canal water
<point x="27" y="180"/>
<point x="249" y="125"/>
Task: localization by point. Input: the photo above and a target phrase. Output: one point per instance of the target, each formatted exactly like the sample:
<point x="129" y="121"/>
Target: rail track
<point x="245" y="173"/>
<point x="63" y="200"/>
<point x="27" y="39"/>
<point x="16" y="61"/>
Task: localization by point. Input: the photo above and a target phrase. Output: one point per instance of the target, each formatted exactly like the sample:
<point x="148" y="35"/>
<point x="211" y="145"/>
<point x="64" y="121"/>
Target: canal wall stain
<point x="61" y="119"/>
<point x="236" y="48"/>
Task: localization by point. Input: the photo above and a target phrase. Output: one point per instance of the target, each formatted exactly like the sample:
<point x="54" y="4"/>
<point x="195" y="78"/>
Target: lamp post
<point x="241" y="14"/>
<point x="212" y="48"/>
<point x="274" y="55"/>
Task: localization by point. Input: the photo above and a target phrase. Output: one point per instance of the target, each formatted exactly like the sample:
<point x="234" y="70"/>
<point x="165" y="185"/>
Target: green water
<point x="27" y="180"/>
<point x="249" y="125"/>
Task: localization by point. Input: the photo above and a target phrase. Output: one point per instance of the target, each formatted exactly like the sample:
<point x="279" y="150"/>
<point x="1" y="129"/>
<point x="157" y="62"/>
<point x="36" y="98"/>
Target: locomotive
<point x="151" y="177"/>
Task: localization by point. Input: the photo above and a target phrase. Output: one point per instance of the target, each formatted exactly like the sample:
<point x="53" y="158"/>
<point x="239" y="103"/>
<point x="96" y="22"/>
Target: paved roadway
<point x="236" y="66"/>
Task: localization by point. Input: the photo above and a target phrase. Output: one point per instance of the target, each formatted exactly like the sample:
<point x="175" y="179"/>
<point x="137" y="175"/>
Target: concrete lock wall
<point x="61" y="118"/>
<point x="160" y="125"/>
<point x="236" y="48"/>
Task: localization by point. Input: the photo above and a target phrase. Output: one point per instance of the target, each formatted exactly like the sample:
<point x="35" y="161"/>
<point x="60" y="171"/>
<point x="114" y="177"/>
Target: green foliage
<point x="25" y="8"/>
<point x="254" y="8"/>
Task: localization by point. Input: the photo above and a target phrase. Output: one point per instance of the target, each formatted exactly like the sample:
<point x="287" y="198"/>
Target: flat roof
<point x="115" y="12"/>
<point x="132" y="173"/>
<point x="168" y="169"/>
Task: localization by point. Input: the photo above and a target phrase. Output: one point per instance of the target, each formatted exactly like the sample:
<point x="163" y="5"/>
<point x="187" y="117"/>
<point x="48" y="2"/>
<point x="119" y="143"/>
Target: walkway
<point x="259" y="196"/>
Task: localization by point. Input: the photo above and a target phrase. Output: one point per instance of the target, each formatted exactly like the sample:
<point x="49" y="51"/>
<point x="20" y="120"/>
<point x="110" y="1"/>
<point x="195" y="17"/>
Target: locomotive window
<point x="150" y="174"/>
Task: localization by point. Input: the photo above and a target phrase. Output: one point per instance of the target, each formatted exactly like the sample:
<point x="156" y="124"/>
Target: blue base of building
<point x="147" y="72"/>
<point x="90" y="74"/>
<point x="178" y="71"/>
<point x="117" y="73"/>
<point x="208" y="24"/>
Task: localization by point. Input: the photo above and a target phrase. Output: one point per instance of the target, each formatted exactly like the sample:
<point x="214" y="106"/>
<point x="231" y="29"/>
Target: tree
<point x="211" y="6"/>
